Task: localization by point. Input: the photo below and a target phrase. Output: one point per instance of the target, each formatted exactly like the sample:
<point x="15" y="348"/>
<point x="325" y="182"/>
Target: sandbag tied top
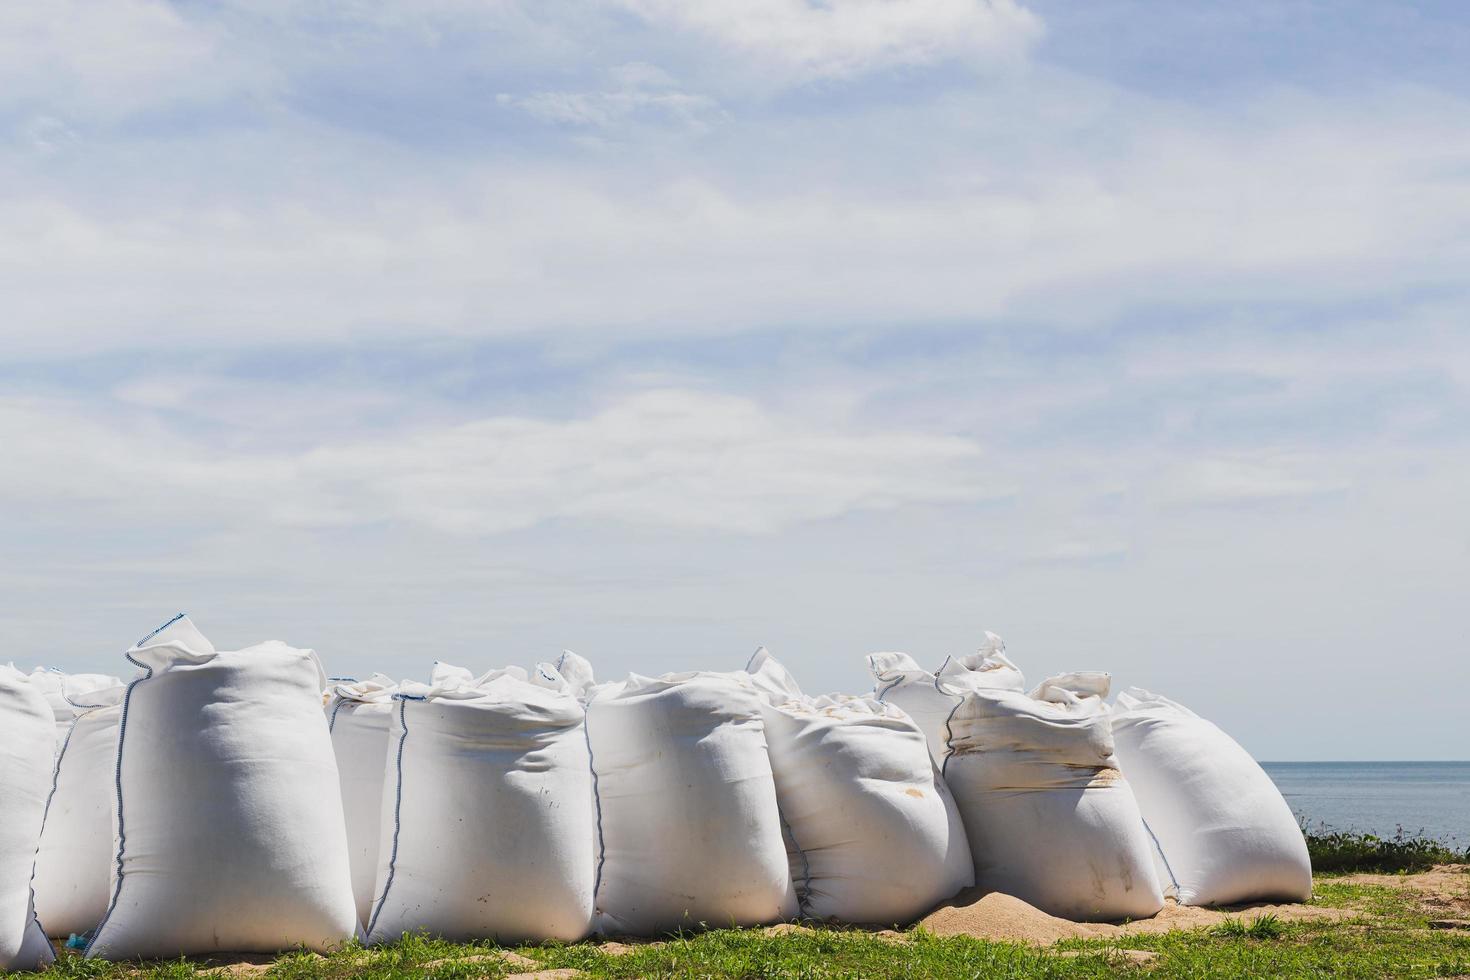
<point x="229" y="821"/>
<point x="74" y="866"/>
<point x="358" y="715"/>
<point x="65" y="691"/>
<point x="488" y="830"/>
<point x="27" y="750"/>
<point x="569" y="672"/>
<point x="1224" y="832"/>
<point x="1051" y="819"/>
<point x="690" y="830"/>
<point x="873" y="835"/>
<point x="928" y="698"/>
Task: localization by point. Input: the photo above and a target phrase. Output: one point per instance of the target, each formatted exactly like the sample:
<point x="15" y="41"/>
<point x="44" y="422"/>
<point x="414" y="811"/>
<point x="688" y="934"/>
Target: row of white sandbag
<point x="474" y="806"/>
<point x="1049" y="818"/>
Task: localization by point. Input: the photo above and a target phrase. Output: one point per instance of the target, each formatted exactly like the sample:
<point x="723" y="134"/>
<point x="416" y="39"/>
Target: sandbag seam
<point x="122" y="731"/>
<point x="402" y="700"/>
<point x="597" y="804"/>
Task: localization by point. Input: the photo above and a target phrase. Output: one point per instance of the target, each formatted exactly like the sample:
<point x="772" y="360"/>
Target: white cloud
<point x="103" y="59"/>
<point x="669" y="458"/>
<point x="1249" y="478"/>
<point x="641" y="91"/>
<point x="842" y="38"/>
<point x="327" y="238"/>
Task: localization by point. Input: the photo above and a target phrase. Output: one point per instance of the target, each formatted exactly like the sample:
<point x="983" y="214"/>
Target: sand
<point x="1444" y="889"/>
<point x="993" y="915"/>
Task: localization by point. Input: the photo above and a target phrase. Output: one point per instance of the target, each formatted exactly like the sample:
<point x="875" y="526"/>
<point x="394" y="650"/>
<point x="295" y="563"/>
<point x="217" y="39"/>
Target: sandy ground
<point x="1444" y="888"/>
<point x="1003" y="917"/>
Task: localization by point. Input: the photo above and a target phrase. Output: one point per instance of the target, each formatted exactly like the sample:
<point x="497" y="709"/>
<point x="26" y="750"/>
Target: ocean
<point x="1431" y="799"/>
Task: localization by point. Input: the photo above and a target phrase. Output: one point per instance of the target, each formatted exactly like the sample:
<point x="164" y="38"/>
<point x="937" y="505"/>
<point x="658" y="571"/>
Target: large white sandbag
<point x="1050" y="818"/>
<point x="61" y="689"/>
<point x="359" y="714"/>
<point x="899" y="680"/>
<point x="690" y="830"/>
<point x="1225" y="833"/>
<point x="873" y="835"/>
<point x="488" y="826"/>
<point x="74" y="865"/>
<point x="27" y="750"/>
<point x="229" y="825"/>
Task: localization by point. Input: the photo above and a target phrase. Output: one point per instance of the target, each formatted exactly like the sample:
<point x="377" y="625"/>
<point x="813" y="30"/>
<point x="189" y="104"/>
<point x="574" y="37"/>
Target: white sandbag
<point x="229" y="826"/>
<point x="27" y="751"/>
<point x="488" y="826"/>
<point x="359" y="714"/>
<point x="1225" y="833"/>
<point x="1049" y="816"/>
<point x="690" y="830"/>
<point x="899" y="680"/>
<point x="873" y="835"/>
<point x="61" y="688"/>
<point x="74" y="865"/>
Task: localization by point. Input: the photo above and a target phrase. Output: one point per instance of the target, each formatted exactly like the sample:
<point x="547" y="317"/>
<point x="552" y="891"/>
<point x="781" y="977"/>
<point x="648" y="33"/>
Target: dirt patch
<point x="786" y="929"/>
<point x="237" y="964"/>
<point x="1006" y="918"/>
<point x="1194" y="917"/>
<point x="1444" y="888"/>
<point x="500" y="956"/>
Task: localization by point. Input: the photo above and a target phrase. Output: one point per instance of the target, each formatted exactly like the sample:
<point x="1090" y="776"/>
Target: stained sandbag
<point x="359" y="714"/>
<point x="74" y="865"/>
<point x="873" y="835"/>
<point x="488" y="822"/>
<point x="898" y="679"/>
<point x="690" y="833"/>
<point x="27" y="751"/>
<point x="228" y="822"/>
<point x="1050" y="818"/>
<point x="1225" y="834"/>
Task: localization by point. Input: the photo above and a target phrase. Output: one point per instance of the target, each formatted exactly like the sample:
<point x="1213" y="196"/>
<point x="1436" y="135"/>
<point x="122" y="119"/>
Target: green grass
<point x="1347" y="851"/>
<point x="1388" y="938"/>
<point x="1266" y="926"/>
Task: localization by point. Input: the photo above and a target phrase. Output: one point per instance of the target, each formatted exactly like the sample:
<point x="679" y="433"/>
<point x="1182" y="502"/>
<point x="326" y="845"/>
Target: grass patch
<point x="1389" y="940"/>
<point x="1266" y="926"/>
<point x="1345" y="851"/>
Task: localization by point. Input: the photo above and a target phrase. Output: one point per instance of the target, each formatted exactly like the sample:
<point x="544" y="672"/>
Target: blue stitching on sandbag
<point x="597" y="801"/>
<point x="402" y="700"/>
<point x="122" y="837"/>
<point x="46" y="813"/>
<point x="176" y="618"/>
<point x="55" y="778"/>
<point x="332" y="721"/>
<point x="1162" y="856"/>
<point x="948" y="727"/>
<point x="122" y="731"/>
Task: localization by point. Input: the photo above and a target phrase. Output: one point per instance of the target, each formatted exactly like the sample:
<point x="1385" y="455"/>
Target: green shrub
<point x="1349" y="851"/>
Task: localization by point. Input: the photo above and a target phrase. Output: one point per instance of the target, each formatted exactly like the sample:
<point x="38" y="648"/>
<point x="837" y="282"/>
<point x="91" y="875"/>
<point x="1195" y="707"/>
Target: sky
<point x="472" y="330"/>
